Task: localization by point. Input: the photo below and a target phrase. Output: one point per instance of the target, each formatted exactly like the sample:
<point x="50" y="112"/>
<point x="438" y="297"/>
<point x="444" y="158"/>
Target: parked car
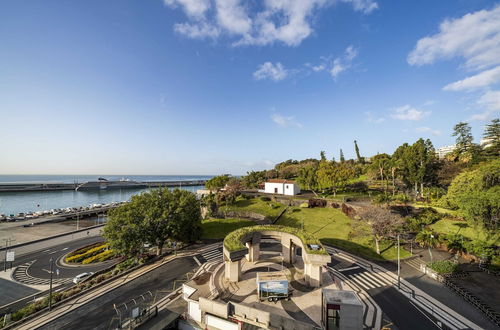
<point x="29" y="224"/>
<point x="80" y="277"/>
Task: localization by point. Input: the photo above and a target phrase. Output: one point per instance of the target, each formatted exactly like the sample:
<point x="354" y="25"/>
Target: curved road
<point x="34" y="269"/>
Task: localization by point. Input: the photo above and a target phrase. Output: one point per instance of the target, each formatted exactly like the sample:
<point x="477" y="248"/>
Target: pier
<point x="20" y="187"/>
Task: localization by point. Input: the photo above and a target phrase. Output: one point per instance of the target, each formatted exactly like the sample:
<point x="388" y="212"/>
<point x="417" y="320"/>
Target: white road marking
<point x="197" y="261"/>
<point x="349" y="268"/>
<point x="64" y="249"/>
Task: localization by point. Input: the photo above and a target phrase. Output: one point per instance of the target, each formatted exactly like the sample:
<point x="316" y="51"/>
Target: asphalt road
<point x="100" y="314"/>
<point x="11" y="291"/>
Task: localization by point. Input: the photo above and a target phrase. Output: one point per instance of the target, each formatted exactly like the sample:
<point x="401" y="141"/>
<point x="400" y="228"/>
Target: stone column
<point x="232" y="270"/>
<point x="286" y="246"/>
<point x="253" y="251"/>
<point x="313" y="274"/>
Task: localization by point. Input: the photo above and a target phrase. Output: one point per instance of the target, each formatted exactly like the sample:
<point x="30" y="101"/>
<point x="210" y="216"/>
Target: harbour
<point x="32" y="194"/>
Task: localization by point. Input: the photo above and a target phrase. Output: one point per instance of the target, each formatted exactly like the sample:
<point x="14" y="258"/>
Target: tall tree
<point x="358" y="155"/>
<point x="428" y="238"/>
<point x="342" y="159"/>
<point x="307" y="178"/>
<point x="322" y="155"/>
<point x="153" y="217"/>
<point x="384" y="224"/>
<point x="334" y="176"/>
<point x="463" y="137"/>
<point x="492" y="134"/>
<point x="217" y="182"/>
<point x="381" y="165"/>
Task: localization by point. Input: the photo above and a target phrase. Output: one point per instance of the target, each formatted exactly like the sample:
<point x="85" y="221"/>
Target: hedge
<point x="89" y="253"/>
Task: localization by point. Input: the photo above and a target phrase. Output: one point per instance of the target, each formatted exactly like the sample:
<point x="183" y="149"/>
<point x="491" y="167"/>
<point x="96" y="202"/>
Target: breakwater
<point x="25" y="187"/>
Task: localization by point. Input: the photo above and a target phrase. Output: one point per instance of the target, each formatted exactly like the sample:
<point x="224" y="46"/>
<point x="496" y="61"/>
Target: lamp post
<point x="50" y="288"/>
<point x="399" y="267"/>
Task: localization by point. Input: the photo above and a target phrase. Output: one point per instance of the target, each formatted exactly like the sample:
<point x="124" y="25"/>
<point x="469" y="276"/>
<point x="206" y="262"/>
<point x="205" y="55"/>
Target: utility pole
<point x="50" y="288"/>
<point x="399" y="267"/>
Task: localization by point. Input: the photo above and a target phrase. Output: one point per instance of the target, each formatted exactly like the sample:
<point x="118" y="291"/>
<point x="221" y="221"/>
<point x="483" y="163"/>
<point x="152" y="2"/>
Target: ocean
<point x="32" y="201"/>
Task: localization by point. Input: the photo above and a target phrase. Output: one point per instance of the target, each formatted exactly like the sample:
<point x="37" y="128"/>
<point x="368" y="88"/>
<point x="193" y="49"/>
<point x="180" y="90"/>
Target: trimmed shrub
<point x="89" y="253"/>
<point x="265" y="199"/>
<point x="103" y="256"/>
<point x="444" y="267"/>
<point x="304" y="205"/>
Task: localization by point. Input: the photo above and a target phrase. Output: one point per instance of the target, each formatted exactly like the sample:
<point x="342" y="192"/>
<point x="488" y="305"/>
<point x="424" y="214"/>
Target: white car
<point x="80" y="277"/>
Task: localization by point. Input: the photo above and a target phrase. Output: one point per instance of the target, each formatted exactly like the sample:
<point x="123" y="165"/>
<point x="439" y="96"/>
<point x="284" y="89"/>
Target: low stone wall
<point x="245" y="215"/>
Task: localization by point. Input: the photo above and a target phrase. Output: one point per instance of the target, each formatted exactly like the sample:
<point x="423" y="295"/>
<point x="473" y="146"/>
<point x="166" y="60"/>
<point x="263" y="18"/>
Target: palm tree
<point x="455" y="243"/>
<point x="427" y="238"/>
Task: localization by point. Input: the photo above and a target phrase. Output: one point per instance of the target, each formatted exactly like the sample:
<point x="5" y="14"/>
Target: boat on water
<point x="104" y="184"/>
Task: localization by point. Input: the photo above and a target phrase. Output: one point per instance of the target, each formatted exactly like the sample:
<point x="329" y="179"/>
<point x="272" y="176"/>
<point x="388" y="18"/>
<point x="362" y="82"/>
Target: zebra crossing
<point x="213" y="254"/>
<point x="20" y="275"/>
<point x="366" y="280"/>
<point x="355" y="273"/>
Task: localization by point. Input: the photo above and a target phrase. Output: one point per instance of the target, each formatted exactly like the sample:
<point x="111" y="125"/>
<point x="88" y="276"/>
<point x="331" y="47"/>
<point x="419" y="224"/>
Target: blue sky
<point x="216" y="86"/>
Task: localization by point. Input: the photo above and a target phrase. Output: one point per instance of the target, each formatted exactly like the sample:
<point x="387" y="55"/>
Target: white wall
<point x="270" y="188"/>
<point x="282" y="188"/>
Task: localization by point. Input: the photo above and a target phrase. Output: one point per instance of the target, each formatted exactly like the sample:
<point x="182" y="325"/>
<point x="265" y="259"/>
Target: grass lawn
<point x="450" y="226"/>
<point x="438" y="209"/>
<point x="329" y="225"/>
<point x="219" y="228"/>
<point x="268" y="209"/>
<point x="332" y="226"/>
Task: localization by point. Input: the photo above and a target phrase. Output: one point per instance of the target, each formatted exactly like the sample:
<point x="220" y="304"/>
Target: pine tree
<point x="492" y="134"/>
<point x="462" y="132"/>
<point x="360" y="159"/>
<point x="322" y="155"/>
<point x="342" y="159"/>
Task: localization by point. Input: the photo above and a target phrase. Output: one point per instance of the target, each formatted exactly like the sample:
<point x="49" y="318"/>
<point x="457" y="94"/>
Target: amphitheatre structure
<point x="271" y="277"/>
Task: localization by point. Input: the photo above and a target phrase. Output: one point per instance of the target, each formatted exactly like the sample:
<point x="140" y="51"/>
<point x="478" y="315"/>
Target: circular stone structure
<point x="245" y="243"/>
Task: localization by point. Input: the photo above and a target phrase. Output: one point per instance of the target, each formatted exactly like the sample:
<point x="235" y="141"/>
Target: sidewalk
<point x="436" y="289"/>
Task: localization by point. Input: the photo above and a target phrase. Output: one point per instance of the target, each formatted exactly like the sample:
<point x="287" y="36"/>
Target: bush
<point x="265" y="199"/>
<point x="304" y="205"/>
<point x="401" y="198"/>
<point x="425" y="217"/>
<point x="382" y="199"/>
<point x="444" y="267"/>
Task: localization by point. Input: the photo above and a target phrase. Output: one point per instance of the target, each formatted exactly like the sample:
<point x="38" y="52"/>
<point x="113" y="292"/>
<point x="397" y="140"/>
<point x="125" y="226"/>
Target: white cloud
<point x="268" y="70"/>
<point x="490" y="101"/>
<point x="479" y="80"/>
<point x="232" y="17"/>
<point x="372" y="119"/>
<point x="406" y="112"/>
<point x="192" y="8"/>
<point x="428" y="130"/>
<point x="197" y="31"/>
<point x="339" y="64"/>
<point x="284" y="21"/>
<point x="285" y="121"/>
<point x="474" y="36"/>
<point x="365" y="6"/>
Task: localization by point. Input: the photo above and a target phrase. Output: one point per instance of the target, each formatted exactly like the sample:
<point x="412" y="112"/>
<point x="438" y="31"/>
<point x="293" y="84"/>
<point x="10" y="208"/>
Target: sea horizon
<point x="79" y="178"/>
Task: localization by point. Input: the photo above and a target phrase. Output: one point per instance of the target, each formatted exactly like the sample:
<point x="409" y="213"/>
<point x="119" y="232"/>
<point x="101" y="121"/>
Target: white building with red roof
<point x="281" y="187"/>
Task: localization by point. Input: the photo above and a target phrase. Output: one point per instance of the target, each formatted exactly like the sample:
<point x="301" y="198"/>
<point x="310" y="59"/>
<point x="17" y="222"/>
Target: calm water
<point x="16" y="202"/>
<point x="85" y="178"/>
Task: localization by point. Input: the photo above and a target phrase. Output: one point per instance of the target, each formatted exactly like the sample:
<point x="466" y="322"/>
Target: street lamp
<point x="50" y="288"/>
<point x="399" y="266"/>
